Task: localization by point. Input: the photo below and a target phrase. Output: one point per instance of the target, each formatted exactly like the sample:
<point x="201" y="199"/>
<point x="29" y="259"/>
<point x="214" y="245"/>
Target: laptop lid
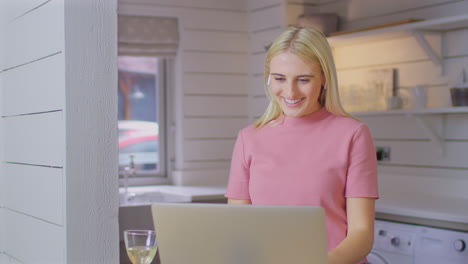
<point x="239" y="234"/>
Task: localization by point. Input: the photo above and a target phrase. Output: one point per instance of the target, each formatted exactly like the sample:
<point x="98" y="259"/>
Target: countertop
<point x="183" y="193"/>
<point x="412" y="207"/>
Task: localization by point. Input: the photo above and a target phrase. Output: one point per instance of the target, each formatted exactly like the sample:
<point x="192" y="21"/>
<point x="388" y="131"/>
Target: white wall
<point x="59" y="202"/>
<point x="412" y="154"/>
<point x="3" y="257"/>
<point x="211" y="78"/>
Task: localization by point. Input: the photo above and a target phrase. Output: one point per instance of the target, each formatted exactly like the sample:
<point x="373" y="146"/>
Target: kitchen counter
<point x="181" y="193"/>
<point x="396" y="204"/>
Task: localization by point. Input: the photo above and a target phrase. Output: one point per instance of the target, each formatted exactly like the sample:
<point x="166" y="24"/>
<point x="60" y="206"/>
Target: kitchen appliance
<point x="401" y="243"/>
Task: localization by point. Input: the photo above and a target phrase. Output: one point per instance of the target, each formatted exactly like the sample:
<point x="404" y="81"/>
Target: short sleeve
<point x="238" y="185"/>
<point x="361" y="179"/>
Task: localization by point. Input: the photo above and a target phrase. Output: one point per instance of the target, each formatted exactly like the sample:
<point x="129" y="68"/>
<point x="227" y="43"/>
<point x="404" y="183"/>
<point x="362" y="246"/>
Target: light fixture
<point x="137" y="93"/>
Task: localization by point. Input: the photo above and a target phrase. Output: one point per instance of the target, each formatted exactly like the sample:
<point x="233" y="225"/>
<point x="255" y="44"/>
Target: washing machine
<point x="394" y="243"/>
<point x="401" y="243"/>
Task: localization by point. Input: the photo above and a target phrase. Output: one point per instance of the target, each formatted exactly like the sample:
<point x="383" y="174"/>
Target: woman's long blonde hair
<point x="312" y="46"/>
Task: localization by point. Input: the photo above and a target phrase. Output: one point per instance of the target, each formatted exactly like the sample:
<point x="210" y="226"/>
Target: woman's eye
<point x="303" y="80"/>
<point x="280" y="79"/>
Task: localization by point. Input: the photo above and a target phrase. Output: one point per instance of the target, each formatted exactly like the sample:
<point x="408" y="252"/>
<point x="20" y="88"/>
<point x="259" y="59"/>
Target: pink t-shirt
<point x="319" y="159"/>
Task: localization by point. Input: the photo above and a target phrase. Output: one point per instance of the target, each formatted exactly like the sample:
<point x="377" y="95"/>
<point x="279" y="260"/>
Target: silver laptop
<point x="239" y="234"/>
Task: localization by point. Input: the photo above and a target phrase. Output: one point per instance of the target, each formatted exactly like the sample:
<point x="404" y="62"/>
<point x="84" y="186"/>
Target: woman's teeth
<point x="291" y="101"/>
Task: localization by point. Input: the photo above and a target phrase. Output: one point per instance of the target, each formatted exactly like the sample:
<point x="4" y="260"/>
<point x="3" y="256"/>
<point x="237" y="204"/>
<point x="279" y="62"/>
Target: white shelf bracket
<point x="437" y="140"/>
<point x="424" y="44"/>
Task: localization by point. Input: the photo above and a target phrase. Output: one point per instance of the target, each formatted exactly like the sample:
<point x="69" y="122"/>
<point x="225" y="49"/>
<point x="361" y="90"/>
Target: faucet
<point x="128" y="171"/>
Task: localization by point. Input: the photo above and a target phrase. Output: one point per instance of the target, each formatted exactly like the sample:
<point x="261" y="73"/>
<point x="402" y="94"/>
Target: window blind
<point x="147" y="36"/>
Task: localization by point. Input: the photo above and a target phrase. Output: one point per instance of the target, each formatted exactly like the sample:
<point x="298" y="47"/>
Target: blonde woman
<point x="306" y="150"/>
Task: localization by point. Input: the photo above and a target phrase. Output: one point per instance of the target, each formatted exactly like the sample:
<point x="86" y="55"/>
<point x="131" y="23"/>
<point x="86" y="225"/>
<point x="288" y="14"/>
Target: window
<point x="147" y="48"/>
<point x="142" y="118"/>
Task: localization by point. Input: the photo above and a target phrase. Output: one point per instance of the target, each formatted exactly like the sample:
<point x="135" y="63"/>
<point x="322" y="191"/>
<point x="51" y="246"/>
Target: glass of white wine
<point x="141" y="245"/>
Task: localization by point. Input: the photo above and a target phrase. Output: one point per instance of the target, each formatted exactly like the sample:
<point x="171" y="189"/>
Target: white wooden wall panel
<point x="259" y="40"/>
<point x="4" y="258"/>
<point x="91" y="149"/>
<point x="401" y="127"/>
<point x="409" y="74"/>
<point x="426" y="153"/>
<point x="258" y="106"/>
<point x="191" y="18"/>
<point x="238" y="5"/>
<point x="383" y="52"/>
<point x="258" y="85"/>
<point x="456" y="126"/>
<point x="198" y="40"/>
<point x="35" y="139"/>
<point x="2" y="226"/>
<point x="258" y="4"/>
<point x="205" y="177"/>
<point x="215" y="106"/>
<point x="435" y="186"/>
<point x="43" y="27"/>
<point x="455" y="44"/>
<point x="214" y="62"/>
<point x="293" y="10"/>
<point x="35" y="191"/>
<point x="207" y="165"/>
<point x="371" y="8"/>
<point x="443" y="173"/>
<point x="31" y="240"/>
<point x="202" y="83"/>
<point x="213" y="127"/>
<point x="267" y="18"/>
<point x="342" y="8"/>
<point x="208" y="149"/>
<point x="257" y="63"/>
<point x="42" y="89"/>
<point x="18" y="8"/>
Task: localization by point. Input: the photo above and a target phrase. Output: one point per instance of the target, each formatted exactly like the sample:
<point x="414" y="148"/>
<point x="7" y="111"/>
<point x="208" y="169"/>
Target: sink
<point x="148" y="198"/>
<point x="135" y="207"/>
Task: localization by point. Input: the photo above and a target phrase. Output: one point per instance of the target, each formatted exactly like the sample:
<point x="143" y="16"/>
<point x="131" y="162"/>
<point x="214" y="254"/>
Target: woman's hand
<point x="237" y="201"/>
<point x="360" y="238"/>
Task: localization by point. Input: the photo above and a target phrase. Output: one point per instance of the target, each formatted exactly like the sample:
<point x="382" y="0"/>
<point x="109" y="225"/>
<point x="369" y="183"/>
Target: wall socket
<point x="383" y="153"/>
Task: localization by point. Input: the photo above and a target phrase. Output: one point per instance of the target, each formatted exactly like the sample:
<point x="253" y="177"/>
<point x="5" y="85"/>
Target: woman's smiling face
<point x="295" y="84"/>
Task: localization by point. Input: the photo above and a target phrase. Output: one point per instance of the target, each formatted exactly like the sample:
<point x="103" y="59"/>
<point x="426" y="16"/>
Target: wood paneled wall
<point x="33" y="130"/>
<point x="413" y="155"/>
<point x="211" y="83"/>
<point x="55" y="206"/>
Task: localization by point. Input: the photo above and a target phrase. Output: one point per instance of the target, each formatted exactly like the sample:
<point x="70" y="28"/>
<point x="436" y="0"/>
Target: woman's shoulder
<point x="248" y="130"/>
<point x="347" y="122"/>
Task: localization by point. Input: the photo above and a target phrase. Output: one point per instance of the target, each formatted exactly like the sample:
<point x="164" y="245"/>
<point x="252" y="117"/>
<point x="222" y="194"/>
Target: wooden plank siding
<point x="30" y="240"/>
<point x="212" y="86"/>
<point x="33" y="133"/>
<point x="413" y="155"/>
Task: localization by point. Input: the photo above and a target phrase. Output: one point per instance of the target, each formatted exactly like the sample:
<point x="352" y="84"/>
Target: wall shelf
<point x="417" y="115"/>
<point x="409" y="112"/>
<point x="439" y="25"/>
<point x="417" y="30"/>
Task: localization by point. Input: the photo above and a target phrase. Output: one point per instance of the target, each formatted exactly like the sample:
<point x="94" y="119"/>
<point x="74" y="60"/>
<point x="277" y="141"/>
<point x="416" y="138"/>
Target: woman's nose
<point x="290" y="90"/>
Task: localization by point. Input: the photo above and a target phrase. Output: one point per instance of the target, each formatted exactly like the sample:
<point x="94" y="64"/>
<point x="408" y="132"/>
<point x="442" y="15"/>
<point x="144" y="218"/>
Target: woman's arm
<point x="237" y="201"/>
<point x="358" y="242"/>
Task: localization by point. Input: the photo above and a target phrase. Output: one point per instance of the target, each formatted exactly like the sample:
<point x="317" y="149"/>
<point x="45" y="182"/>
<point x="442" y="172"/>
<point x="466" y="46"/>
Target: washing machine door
<point x="375" y="258"/>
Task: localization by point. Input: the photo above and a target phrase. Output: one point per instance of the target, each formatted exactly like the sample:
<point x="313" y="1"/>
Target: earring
<point x="324" y="86"/>
<point x="268" y="81"/>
